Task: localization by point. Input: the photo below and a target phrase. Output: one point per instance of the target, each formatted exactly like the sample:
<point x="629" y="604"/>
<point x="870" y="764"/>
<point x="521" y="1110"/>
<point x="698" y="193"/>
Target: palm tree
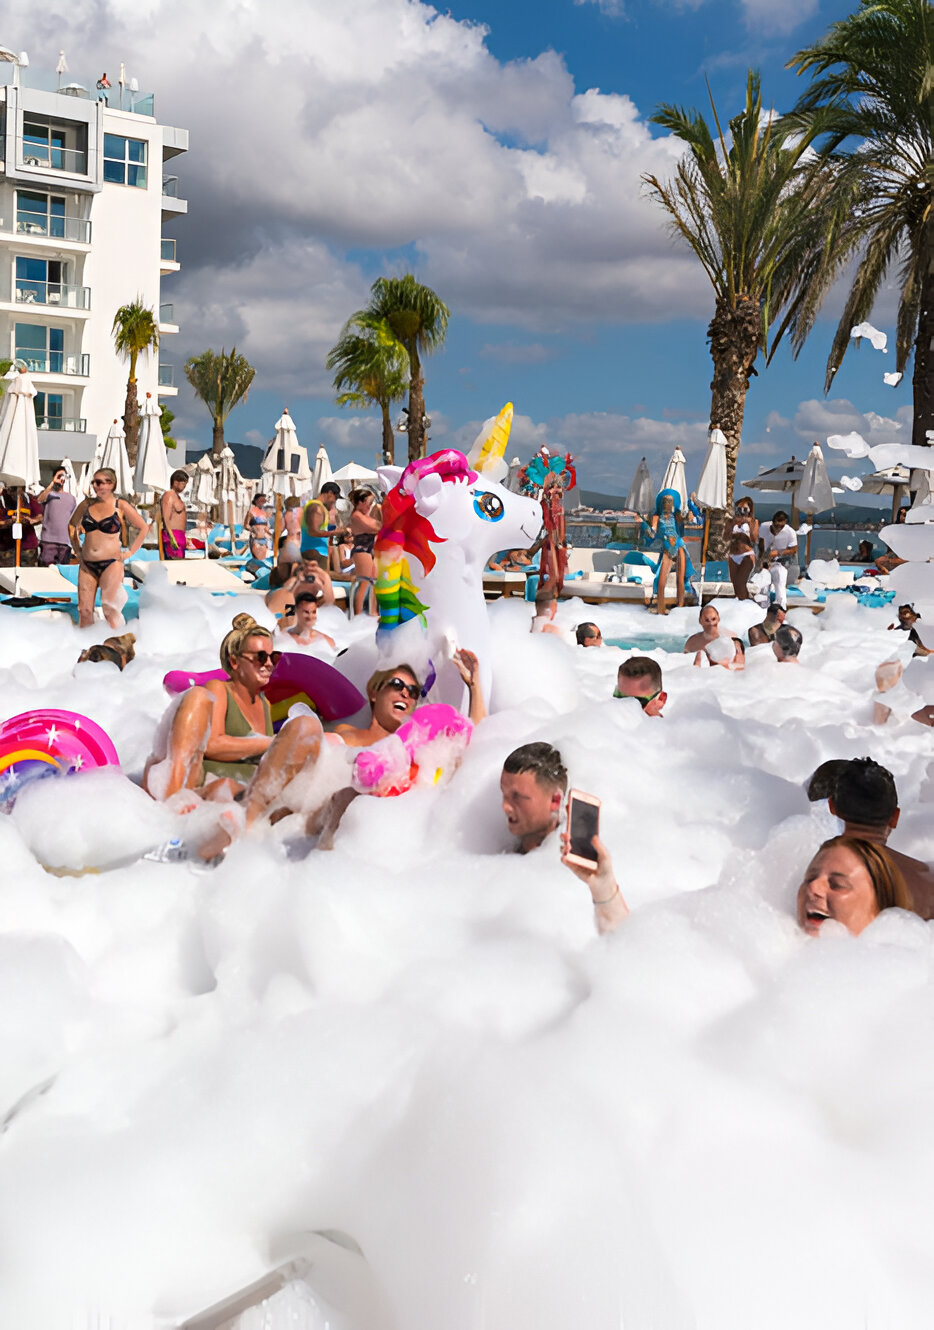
<point x="760" y="218"/>
<point x="135" y="331"/>
<point x="418" y="318"/>
<point x="873" y="92"/>
<point x="371" y="367"/>
<point x="222" y="382"/>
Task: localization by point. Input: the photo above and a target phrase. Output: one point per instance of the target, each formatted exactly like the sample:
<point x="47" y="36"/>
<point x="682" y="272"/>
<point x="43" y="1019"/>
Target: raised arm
<point x="468" y="667"/>
<point x="609" y="907"/>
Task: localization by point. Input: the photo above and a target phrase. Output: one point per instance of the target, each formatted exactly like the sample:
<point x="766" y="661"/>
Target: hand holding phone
<point x="583" y="826"/>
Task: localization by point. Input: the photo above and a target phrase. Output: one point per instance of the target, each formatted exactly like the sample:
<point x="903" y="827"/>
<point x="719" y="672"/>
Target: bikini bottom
<point x="97" y="566"/>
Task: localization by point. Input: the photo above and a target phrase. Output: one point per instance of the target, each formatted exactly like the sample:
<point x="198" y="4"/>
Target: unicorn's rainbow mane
<point x="405" y="531"/>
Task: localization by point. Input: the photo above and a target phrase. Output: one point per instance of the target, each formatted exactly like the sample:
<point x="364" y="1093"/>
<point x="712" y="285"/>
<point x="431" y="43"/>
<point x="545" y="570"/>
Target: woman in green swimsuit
<point x="220" y="740"/>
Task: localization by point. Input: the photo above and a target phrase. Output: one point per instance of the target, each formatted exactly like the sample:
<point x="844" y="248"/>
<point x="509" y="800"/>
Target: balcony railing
<point x="70" y="160"/>
<point x="166" y="376"/>
<point x="70" y="424"/>
<point x="166" y="313"/>
<point x="55" y="362"/>
<point x="52" y="293"/>
<point x="168" y="251"/>
<point x="170" y="186"/>
<point x="56" y="228"/>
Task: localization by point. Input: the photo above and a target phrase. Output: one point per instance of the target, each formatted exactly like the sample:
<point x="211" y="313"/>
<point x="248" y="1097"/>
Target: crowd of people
<point x="217" y="744"/>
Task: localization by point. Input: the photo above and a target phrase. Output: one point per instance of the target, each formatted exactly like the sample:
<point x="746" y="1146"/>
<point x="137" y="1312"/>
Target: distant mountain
<point x="247" y="457"/>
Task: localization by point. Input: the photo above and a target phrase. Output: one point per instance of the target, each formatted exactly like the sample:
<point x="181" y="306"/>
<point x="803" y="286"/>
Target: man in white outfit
<point x="779" y="546"/>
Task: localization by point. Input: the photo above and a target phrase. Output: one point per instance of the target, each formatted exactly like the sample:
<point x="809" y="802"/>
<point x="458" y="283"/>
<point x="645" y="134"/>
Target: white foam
<point x="706" y="1119"/>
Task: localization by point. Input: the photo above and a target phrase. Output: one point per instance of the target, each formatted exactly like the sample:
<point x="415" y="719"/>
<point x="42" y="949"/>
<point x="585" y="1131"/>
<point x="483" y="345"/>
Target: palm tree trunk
<point x="416" y="406"/>
<point x="734" y="336"/>
<point x="131" y="415"/>
<point x="923" y="379"/>
<point x="389" y="439"/>
<point x="218" y="442"/>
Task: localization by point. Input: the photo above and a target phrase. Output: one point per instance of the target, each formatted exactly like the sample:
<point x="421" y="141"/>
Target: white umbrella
<point x="353" y="474"/>
<point x="711" y="488"/>
<point x="204" y="482"/>
<point x="674" y="478"/>
<point x="814" y="493"/>
<point x="229" y="482"/>
<point x="19" y="447"/>
<point x="152" y="465"/>
<point x="71" y="480"/>
<point x="19" y="437"/>
<point x="641" y="497"/>
<point x="113" y="455"/>
<point x="322" y="470"/>
<point x="894" y="478"/>
<point x="286" y="461"/>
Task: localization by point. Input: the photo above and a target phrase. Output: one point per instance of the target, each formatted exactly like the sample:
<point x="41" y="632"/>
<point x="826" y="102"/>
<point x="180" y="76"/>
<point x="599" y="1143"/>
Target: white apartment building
<point x="84" y="195"/>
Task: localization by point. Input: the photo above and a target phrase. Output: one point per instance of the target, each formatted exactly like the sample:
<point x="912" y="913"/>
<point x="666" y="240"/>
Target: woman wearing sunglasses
<point x="219" y="739"/>
<point x="96" y="531"/>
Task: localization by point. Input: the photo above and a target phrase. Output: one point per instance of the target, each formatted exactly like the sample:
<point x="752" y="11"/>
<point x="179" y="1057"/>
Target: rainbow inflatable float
<point x="36" y="744"/>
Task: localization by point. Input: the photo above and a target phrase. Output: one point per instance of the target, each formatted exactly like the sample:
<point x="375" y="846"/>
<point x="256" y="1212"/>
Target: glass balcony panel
<point x="49" y="157"/>
<point x="29" y="292"/>
<point x="69" y="424"/>
<point x="166" y="376"/>
<point x="168" y="250"/>
<point x="54" y="362"/>
<point x="170" y="186"/>
<point x="166" y="313"/>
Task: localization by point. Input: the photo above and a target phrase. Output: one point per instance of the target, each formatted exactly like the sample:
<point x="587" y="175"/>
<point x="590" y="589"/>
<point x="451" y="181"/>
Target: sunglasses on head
<point x="262" y="657"/>
<point x="398" y="685"/>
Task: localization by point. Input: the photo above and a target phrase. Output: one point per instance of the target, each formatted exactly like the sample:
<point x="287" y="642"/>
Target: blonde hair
<point x="244" y="627"/>
<point x="107" y="471"/>
<point x="378" y="680"/>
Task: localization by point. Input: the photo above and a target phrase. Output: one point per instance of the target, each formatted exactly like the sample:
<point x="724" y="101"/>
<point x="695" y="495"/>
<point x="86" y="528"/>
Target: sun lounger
<point x="503" y="584"/>
<point x="37" y="582"/>
<point x="207" y="574"/>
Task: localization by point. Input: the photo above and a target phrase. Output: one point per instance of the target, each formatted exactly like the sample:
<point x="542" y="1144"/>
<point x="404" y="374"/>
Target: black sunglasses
<point x="261" y="657"/>
<point x="411" y="690"/>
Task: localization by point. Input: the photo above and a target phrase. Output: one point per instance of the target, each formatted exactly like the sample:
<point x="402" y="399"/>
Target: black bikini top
<point x="110" y="526"/>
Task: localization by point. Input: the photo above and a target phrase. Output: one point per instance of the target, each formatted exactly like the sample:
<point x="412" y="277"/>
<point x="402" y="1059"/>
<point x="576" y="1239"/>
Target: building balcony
<point x="60" y="294"/>
<point x="32" y="226"/>
<point x="167" y="322"/>
<point x="65" y="424"/>
<point x="172" y="205"/>
<point x="72" y="365"/>
<point x="167" y="381"/>
<point x="61" y="161"/>
<point x="167" y="257"/>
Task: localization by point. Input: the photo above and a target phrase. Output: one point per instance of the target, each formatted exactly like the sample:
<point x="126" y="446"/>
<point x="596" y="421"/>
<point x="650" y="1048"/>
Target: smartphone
<point x="583" y="825"/>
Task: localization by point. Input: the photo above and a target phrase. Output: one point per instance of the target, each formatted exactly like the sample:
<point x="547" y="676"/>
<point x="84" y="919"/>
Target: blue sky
<point x="496" y="149"/>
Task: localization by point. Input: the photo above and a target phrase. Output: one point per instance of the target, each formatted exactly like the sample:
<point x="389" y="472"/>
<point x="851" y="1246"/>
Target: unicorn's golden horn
<point x="490" y="445"/>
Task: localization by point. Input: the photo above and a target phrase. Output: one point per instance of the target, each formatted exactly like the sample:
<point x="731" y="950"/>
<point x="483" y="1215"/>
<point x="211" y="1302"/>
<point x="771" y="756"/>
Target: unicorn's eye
<point x="488" y="506"/>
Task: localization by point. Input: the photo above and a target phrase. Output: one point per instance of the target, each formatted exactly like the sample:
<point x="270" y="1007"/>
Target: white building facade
<point x="84" y="194"/>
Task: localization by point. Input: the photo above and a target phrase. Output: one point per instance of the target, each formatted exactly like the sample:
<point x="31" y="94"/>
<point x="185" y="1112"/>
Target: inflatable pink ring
<point x="49" y="742"/>
<point x="390" y="766"/>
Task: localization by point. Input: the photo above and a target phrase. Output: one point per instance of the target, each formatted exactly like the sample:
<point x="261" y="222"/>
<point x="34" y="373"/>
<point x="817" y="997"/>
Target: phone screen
<point x="584" y="825"/>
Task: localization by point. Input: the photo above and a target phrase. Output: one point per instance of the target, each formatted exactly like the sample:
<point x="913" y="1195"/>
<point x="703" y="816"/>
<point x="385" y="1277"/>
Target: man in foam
<point x="763" y="632"/>
<point x="546" y="607"/>
<point x="533" y="783"/>
<point x="709" y="629"/>
<point x="588" y="635"/>
<point x="641" y="677"/>
<point x="786" y="644"/>
<point x="865" y="799"/>
<point x="778" y="543"/>
<point x="908" y="616"/>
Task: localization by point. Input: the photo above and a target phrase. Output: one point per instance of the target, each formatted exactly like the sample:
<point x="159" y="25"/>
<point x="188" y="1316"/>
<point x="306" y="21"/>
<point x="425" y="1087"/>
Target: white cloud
<point x="773" y="16"/>
<point x="384" y="124"/>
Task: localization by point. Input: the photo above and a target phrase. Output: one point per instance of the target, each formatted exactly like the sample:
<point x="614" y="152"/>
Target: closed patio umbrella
<point x="711" y="488"/>
<point x="19" y="449"/>
<point x="674" y="478"/>
<point x="229" y="481"/>
<point x="322" y="470"/>
<point x="814" y="493"/>
<point x="71" y="480"/>
<point x="641" y="497"/>
<point x="286" y="468"/>
<point x="114" y="455"/>
<point x="151" y="477"/>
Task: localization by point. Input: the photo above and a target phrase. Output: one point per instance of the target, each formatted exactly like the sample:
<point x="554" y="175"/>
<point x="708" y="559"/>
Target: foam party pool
<point x="416" y="1044"/>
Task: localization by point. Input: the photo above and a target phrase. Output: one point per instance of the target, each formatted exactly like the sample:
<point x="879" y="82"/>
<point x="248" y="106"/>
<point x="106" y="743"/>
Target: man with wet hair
<point x="588" y="635"/>
<point x="641" y="677"/>
<point x="763" y="632"/>
<point x="786" y="644"/>
<point x="533" y="785"/>
<point x="865" y="799"/>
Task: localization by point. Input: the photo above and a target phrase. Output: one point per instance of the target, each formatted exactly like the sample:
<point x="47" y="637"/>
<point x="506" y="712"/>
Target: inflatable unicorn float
<point x="443" y="517"/>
